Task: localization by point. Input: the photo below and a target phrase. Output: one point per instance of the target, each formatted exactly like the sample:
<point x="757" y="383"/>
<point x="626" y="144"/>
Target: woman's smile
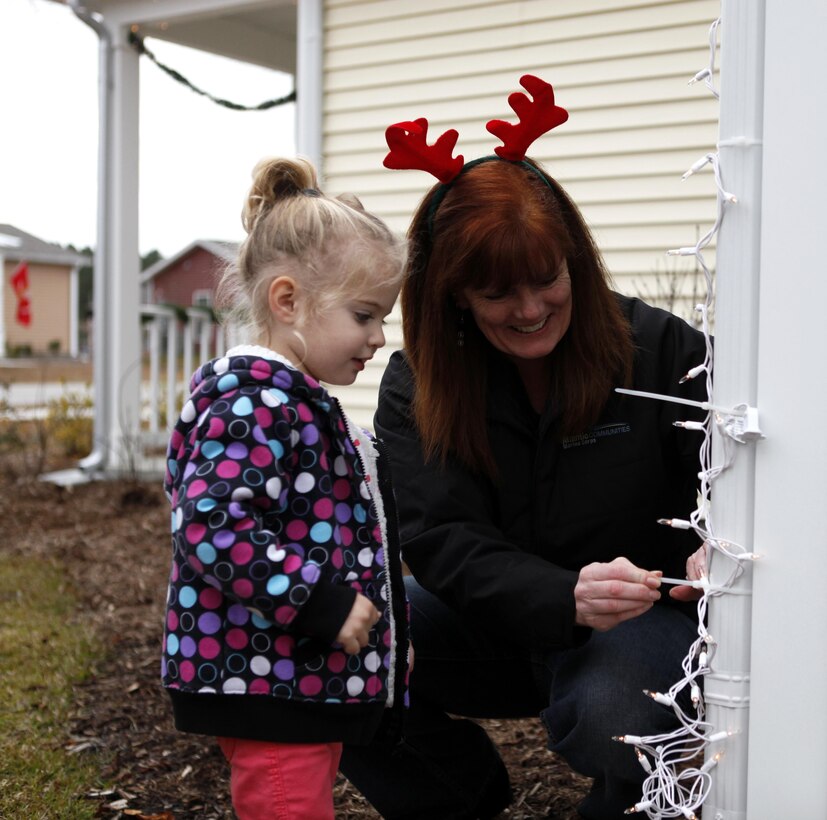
<point x="530" y="328"/>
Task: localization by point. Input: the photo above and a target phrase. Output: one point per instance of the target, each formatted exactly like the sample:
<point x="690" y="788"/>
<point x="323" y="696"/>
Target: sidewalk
<point x="28" y="385"/>
<point x="24" y="396"/>
<point x="32" y="398"/>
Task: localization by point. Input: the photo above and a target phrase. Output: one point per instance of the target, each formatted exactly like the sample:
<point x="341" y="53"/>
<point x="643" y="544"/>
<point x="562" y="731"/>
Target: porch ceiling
<point x="262" y="32"/>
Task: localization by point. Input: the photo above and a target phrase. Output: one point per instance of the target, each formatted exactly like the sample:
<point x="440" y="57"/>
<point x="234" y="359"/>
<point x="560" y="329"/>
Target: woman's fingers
<point x="696" y="563"/>
<point x="622" y="570"/>
<point x="607" y="594"/>
<point x="695" y="570"/>
<point x="684" y="593"/>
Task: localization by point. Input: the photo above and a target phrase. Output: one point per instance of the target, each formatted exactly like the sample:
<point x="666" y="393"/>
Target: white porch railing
<point x="175" y="342"/>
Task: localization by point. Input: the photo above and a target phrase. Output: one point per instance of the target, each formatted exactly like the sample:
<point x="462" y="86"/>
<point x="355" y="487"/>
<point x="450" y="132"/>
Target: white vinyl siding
<point x="621" y="69"/>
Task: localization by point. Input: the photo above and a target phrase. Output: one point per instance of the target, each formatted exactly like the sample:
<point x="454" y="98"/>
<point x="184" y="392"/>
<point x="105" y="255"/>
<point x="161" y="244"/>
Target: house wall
<point x="621" y="70"/>
<point x="197" y="270"/>
<point x="50" y="298"/>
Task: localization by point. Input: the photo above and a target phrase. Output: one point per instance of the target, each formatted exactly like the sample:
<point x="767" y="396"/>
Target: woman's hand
<point x="353" y="636"/>
<point x="608" y="594"/>
<point x="695" y="570"/>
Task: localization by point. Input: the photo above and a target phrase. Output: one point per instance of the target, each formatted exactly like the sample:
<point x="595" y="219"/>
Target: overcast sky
<point x="196" y="156"/>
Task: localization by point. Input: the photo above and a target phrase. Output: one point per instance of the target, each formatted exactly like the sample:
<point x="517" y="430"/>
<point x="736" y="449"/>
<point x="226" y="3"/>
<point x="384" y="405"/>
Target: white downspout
<point x="738" y="258"/>
<point x="309" y="81"/>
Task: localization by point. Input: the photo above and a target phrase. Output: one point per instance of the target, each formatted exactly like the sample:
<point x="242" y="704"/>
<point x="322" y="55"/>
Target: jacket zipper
<point x="355" y="435"/>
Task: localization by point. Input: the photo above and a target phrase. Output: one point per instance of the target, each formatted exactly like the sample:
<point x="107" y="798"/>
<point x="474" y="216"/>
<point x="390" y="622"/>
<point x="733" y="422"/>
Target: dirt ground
<point x="112" y="538"/>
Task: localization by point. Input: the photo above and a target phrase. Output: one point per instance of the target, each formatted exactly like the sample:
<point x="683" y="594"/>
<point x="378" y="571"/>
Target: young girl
<point x="285" y="626"/>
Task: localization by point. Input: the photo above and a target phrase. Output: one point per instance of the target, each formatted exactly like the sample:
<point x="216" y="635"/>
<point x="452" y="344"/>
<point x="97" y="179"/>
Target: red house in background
<point x="190" y="277"/>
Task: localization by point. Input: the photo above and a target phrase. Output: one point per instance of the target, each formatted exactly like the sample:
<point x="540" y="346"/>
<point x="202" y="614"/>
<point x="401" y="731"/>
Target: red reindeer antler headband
<point x="409" y="148"/>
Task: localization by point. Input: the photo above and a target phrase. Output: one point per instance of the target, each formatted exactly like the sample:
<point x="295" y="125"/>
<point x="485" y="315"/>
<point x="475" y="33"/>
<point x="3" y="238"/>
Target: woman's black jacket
<point x="506" y="554"/>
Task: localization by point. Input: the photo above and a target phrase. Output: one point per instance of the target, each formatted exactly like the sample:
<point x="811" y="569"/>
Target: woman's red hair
<point x="500" y="224"/>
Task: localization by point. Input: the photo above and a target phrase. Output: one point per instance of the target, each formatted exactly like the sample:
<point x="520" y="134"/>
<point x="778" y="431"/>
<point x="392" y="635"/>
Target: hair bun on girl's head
<point x="330" y="246"/>
<point x="276" y="179"/>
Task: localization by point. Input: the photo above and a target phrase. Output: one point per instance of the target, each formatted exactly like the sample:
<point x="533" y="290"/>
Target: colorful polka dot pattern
<point x="268" y="500"/>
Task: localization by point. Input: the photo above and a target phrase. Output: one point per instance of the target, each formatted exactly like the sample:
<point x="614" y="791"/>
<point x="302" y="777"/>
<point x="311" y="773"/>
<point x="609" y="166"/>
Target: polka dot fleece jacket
<point x="280" y="514"/>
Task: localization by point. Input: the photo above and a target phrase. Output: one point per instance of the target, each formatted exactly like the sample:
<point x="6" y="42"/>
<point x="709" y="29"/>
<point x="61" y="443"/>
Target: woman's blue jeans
<point x="446" y="768"/>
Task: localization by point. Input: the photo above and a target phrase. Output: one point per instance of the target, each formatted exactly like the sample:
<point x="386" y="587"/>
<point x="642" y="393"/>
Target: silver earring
<point x="461" y="330"/>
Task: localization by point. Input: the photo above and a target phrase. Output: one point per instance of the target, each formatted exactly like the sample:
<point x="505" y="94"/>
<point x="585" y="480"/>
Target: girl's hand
<point x="608" y="594"/>
<point x="353" y="636"/>
<point x="695" y="570"/>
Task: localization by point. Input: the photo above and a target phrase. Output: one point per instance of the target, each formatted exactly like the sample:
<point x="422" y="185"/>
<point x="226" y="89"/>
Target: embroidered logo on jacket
<point x="592" y="436"/>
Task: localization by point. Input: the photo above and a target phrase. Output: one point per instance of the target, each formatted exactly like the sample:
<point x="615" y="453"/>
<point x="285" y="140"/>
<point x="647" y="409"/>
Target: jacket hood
<point x="233" y="378"/>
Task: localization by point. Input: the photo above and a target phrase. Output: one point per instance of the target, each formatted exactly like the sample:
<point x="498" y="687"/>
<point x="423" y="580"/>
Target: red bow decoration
<point x="409" y="148"/>
<point x="19" y="281"/>
<point x="24" y="311"/>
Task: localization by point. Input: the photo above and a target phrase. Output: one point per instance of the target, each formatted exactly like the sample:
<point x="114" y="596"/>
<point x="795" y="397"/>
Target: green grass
<point x="43" y="652"/>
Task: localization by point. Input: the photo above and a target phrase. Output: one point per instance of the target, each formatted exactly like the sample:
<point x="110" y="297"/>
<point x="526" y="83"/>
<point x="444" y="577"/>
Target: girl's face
<point x="526" y="322"/>
<point x="341" y="340"/>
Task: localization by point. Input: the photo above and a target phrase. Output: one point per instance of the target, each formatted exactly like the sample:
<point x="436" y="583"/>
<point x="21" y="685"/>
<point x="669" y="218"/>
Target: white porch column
<point x="788" y="724"/>
<point x="123" y="266"/>
<point x="2" y="305"/>
<point x="309" y="81"/>
<point x="73" y="312"/>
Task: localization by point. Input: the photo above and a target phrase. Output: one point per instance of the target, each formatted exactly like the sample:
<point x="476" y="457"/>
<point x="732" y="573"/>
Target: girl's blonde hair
<point x="331" y="247"/>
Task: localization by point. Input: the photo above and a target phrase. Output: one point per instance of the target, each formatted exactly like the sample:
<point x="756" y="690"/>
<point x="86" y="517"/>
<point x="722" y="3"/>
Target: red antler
<point x="410" y="149"/>
<point x="535" y="117"/>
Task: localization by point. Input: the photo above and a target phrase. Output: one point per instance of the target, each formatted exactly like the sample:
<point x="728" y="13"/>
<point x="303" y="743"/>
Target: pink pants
<point x="281" y="781"/>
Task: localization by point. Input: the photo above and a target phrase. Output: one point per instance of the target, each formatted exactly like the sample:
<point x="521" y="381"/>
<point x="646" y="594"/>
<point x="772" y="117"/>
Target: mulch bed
<point x="112" y="538"/>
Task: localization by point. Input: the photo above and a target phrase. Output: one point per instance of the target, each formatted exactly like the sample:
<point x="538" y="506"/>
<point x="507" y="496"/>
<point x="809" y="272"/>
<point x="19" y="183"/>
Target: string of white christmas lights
<point x="708" y="74"/>
<point x="677" y="782"/>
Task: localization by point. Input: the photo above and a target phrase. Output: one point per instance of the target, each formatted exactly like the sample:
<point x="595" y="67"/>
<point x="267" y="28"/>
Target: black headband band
<point x="443" y="188"/>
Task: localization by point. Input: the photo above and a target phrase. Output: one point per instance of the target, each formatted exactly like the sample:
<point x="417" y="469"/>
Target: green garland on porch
<point x="137" y="43"/>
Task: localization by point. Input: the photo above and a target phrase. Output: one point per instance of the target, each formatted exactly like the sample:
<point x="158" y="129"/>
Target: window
<point x="202" y="297"/>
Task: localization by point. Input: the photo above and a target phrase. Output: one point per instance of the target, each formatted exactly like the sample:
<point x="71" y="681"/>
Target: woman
<point x="529" y="493"/>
